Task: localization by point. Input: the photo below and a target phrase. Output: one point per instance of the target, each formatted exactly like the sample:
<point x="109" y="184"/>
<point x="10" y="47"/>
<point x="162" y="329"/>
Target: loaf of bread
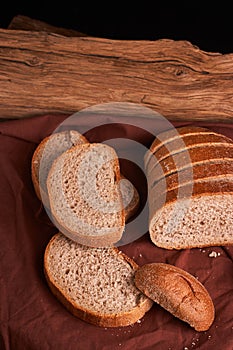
<point x="178" y="292"/>
<point x="94" y="284"/>
<point x="190" y="191"/>
<point x="51" y="148"/>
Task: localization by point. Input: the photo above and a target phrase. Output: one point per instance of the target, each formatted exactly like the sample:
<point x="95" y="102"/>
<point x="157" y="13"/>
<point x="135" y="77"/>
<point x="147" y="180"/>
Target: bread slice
<point x="198" y="214"/>
<point x="46" y="152"/>
<point x="178" y="292"/>
<point x="94" y="284"/>
<point x="219" y="168"/>
<point x="173" y="134"/>
<point x="53" y="146"/>
<point x="84" y="195"/>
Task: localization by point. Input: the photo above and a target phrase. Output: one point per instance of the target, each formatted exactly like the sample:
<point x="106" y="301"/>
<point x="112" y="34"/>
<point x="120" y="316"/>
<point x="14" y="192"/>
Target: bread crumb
<point x="213" y="254"/>
<point x="139" y="321"/>
<point x="203" y="251"/>
<point x="119" y="344"/>
<point x="185" y="348"/>
<point x="209" y="336"/>
<point x="140" y="255"/>
<point x="193" y="343"/>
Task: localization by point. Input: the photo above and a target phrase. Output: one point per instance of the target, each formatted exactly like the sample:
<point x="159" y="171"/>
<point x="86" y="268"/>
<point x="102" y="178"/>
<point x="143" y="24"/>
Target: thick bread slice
<point x="53" y="146"/>
<point x="219" y="168"/>
<point x="94" y="284"/>
<point x="198" y="214"/>
<point x="84" y="195"/>
<point x="186" y="158"/>
<point x="187" y="143"/>
<point x="46" y="152"/>
<point x="174" y="134"/>
<point x="178" y="292"/>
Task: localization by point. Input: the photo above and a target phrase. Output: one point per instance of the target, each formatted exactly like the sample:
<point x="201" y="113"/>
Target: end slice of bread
<point x="178" y="292"/>
<point x="94" y="284"/>
<point x="84" y="195"/>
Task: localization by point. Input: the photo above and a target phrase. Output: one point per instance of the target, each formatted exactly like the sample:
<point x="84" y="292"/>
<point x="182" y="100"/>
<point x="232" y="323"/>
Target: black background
<point x="207" y="25"/>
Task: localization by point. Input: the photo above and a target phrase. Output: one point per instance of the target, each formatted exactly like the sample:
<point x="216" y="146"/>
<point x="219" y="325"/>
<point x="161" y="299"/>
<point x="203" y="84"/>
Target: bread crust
<point x="182" y="135"/>
<point x="96" y="318"/>
<point x="178" y="292"/>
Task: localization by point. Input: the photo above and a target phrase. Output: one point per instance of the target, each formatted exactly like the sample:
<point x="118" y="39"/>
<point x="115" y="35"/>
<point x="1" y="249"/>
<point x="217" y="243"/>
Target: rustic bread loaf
<point x="178" y="292"/>
<point x="94" y="284"/>
<point x="84" y="194"/>
<point x="53" y="146"/>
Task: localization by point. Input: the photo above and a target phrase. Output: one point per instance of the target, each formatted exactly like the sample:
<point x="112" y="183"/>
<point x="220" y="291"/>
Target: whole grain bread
<point x="84" y="195"/>
<point x="53" y="146"/>
<point x="178" y="292"/>
<point x="94" y="284"/>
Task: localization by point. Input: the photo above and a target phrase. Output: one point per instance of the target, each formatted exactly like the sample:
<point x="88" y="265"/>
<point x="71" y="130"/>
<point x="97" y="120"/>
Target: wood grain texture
<point x="45" y="72"/>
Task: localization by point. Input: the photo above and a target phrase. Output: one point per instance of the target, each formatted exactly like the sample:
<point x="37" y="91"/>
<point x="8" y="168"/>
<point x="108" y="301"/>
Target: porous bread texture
<point x="95" y="284"/>
<point x="46" y="152"/>
<point x="130" y="197"/>
<point x="178" y="292"/>
<point x="84" y="194"/>
<point x="198" y="214"/>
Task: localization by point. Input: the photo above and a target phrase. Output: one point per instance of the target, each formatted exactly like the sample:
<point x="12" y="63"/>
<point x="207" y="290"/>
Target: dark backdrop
<point x="209" y="26"/>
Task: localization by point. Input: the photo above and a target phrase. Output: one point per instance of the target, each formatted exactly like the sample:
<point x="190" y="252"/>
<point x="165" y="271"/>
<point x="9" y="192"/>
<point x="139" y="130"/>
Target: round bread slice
<point x="178" y="292"/>
<point x="94" y="284"/>
<point x="84" y="195"/>
<point x="198" y="214"/>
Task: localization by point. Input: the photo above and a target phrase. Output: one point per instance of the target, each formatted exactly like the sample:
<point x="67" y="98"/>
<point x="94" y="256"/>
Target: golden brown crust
<point x="178" y="292"/>
<point x="98" y="319"/>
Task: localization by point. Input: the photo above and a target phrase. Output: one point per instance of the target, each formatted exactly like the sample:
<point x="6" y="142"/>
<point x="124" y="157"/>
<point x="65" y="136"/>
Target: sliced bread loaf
<point x="94" y="284"/>
<point x="84" y="195"/>
<point x="197" y="214"/>
<point x="178" y="292"/>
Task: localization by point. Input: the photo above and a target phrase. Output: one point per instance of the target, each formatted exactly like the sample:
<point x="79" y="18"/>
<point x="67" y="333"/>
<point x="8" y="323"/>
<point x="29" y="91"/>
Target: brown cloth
<point x="32" y="318"/>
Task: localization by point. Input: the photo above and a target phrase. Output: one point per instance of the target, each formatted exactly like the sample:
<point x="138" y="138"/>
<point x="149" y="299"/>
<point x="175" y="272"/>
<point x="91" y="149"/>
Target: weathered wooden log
<point x="44" y="72"/>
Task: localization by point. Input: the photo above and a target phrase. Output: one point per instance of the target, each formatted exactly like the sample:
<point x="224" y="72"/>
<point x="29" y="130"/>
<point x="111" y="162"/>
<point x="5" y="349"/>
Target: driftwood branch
<point x="45" y="72"/>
